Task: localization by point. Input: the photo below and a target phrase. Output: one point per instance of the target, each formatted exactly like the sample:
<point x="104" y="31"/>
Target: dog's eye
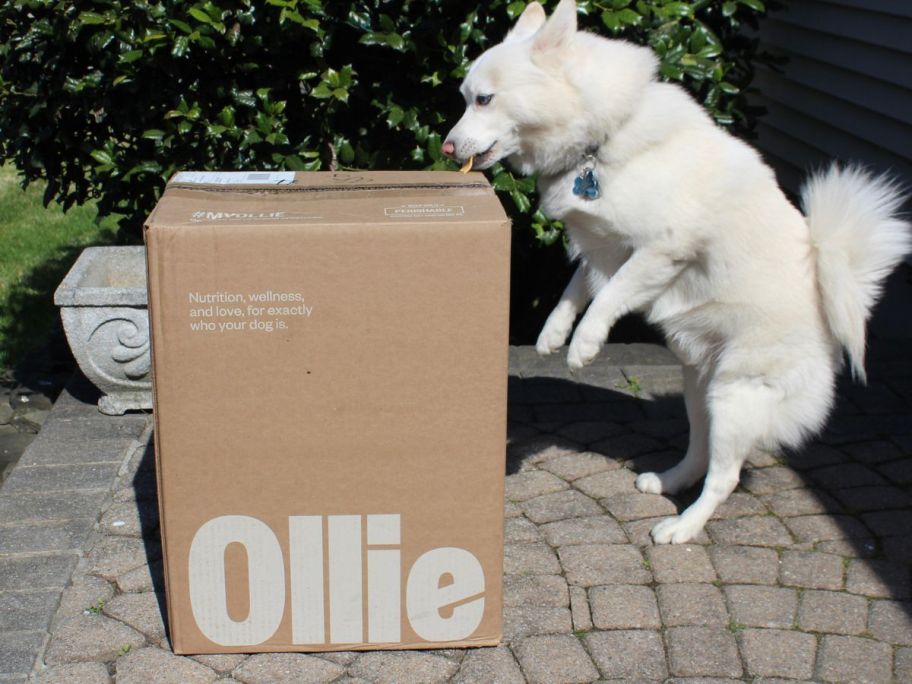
<point x="483" y="100"/>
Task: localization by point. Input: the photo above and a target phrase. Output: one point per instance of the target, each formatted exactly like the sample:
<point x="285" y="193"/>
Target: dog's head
<point x="546" y="93"/>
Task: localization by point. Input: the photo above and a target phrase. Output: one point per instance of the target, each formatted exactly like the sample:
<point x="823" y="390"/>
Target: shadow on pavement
<point x="856" y="474"/>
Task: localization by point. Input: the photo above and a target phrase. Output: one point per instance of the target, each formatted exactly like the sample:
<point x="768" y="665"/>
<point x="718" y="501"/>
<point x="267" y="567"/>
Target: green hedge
<point x="105" y="99"/>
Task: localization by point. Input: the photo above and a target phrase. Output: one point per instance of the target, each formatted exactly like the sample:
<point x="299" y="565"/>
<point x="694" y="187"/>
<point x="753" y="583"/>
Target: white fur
<point x="692" y="230"/>
<point x="854" y="224"/>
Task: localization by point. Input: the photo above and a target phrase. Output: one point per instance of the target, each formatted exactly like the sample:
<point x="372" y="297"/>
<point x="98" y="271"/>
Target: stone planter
<point x="104" y="307"/>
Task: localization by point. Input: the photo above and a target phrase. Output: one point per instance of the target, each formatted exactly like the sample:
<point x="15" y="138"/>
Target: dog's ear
<point x="532" y="19"/>
<point x="559" y="28"/>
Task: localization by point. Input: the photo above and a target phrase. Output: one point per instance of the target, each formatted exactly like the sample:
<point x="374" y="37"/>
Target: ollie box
<point x="330" y="368"/>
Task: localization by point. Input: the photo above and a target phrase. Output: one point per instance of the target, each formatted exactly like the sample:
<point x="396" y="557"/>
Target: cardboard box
<point x="330" y="369"/>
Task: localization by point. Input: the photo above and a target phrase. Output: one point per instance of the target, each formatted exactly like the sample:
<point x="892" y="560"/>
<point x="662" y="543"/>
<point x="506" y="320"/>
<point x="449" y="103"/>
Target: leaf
<point x="147" y="167"/>
<point x="611" y="20"/>
<point x="387" y="24"/>
<point x="629" y="17"/>
<point x="514" y="9"/>
<point x="434" y="79"/>
<point x="322" y="92"/>
<point x="708" y="35"/>
<point x="395" y="116"/>
<point x="154" y="134"/>
<point x="92" y="18"/>
<point x="181" y="43"/>
<point x="182" y="25"/>
<point x="372" y="38"/>
<point x="433" y="147"/>
<point x="131" y="56"/>
<point x="346" y="153"/>
<point x="102" y="156"/>
<point x="395" y="41"/>
<point x="295" y="163"/>
<point x="226" y="116"/>
<point x="143" y="167"/>
<point x="522" y="202"/>
<point x="245" y="97"/>
<point x="504" y="182"/>
<point x="677" y="9"/>
<point x="199" y="15"/>
<point x="671" y="72"/>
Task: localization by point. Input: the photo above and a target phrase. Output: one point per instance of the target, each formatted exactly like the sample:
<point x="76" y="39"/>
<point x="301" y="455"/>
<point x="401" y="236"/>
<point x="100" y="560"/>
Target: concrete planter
<point x="104" y="307"/>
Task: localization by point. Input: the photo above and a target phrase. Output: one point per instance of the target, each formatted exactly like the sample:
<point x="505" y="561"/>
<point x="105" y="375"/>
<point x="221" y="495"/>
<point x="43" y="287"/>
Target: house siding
<point x="845" y="92"/>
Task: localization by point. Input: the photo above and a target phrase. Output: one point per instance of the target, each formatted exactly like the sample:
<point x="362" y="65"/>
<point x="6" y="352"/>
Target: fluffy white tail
<point x="859" y="237"/>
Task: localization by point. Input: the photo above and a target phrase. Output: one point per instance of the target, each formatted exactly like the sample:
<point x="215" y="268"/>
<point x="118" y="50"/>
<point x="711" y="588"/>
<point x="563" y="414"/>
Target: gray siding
<point x="845" y="92"/>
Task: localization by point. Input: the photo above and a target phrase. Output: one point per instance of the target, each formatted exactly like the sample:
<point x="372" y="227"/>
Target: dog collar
<point x="586" y="184"/>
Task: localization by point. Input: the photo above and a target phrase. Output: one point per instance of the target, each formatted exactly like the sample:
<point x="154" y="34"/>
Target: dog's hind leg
<point x="740" y="416"/>
<point x="693" y="466"/>
<point x="560" y="322"/>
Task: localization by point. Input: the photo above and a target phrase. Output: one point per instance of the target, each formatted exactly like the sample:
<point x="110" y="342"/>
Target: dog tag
<point x="586" y="185"/>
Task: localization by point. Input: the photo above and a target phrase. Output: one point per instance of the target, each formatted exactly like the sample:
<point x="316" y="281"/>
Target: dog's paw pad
<point x="674" y="530"/>
<point x="649" y="483"/>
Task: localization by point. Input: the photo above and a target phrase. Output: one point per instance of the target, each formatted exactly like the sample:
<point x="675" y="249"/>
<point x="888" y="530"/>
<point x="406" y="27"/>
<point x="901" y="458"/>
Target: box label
<point x="442" y="580"/>
<point x="234" y="312"/>
<point x="200" y="216"/>
<point x="424" y="211"/>
<point x="235" y="177"/>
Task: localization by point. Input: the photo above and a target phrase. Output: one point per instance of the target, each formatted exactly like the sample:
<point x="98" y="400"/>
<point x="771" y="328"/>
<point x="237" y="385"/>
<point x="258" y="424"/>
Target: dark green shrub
<point x="105" y="99"/>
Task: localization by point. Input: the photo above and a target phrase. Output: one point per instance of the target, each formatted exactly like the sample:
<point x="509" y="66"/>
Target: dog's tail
<point x="859" y="238"/>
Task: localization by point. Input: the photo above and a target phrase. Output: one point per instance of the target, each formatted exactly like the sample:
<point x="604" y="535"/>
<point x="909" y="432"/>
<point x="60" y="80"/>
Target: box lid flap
<point x="377" y="197"/>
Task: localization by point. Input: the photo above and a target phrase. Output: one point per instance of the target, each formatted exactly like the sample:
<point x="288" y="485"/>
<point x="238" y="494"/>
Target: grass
<point x="95" y="609"/>
<point x="736" y="627"/>
<point x="633" y="386"/>
<point x="37" y="247"/>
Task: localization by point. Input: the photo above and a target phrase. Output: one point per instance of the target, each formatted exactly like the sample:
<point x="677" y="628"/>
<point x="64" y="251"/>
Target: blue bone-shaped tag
<point x="586" y="185"/>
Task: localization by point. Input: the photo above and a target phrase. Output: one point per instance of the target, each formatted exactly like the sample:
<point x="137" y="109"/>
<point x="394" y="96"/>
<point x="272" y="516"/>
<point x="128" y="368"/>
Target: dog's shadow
<point x="556" y="412"/>
<point x="548" y="411"/>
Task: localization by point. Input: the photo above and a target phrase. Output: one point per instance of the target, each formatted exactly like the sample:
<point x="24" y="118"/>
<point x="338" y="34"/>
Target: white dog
<point x="670" y="215"/>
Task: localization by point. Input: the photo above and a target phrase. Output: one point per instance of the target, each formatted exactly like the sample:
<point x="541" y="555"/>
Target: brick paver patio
<point x="804" y="574"/>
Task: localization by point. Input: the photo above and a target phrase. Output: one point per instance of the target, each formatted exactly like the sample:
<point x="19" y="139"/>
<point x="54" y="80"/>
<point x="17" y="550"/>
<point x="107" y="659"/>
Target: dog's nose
<point x="448" y="148"/>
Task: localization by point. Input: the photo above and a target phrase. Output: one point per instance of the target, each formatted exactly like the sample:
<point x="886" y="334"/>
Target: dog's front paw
<point x="649" y="483"/>
<point x="551" y="338"/>
<point x="675" y="530"/>
<point x="586" y="343"/>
